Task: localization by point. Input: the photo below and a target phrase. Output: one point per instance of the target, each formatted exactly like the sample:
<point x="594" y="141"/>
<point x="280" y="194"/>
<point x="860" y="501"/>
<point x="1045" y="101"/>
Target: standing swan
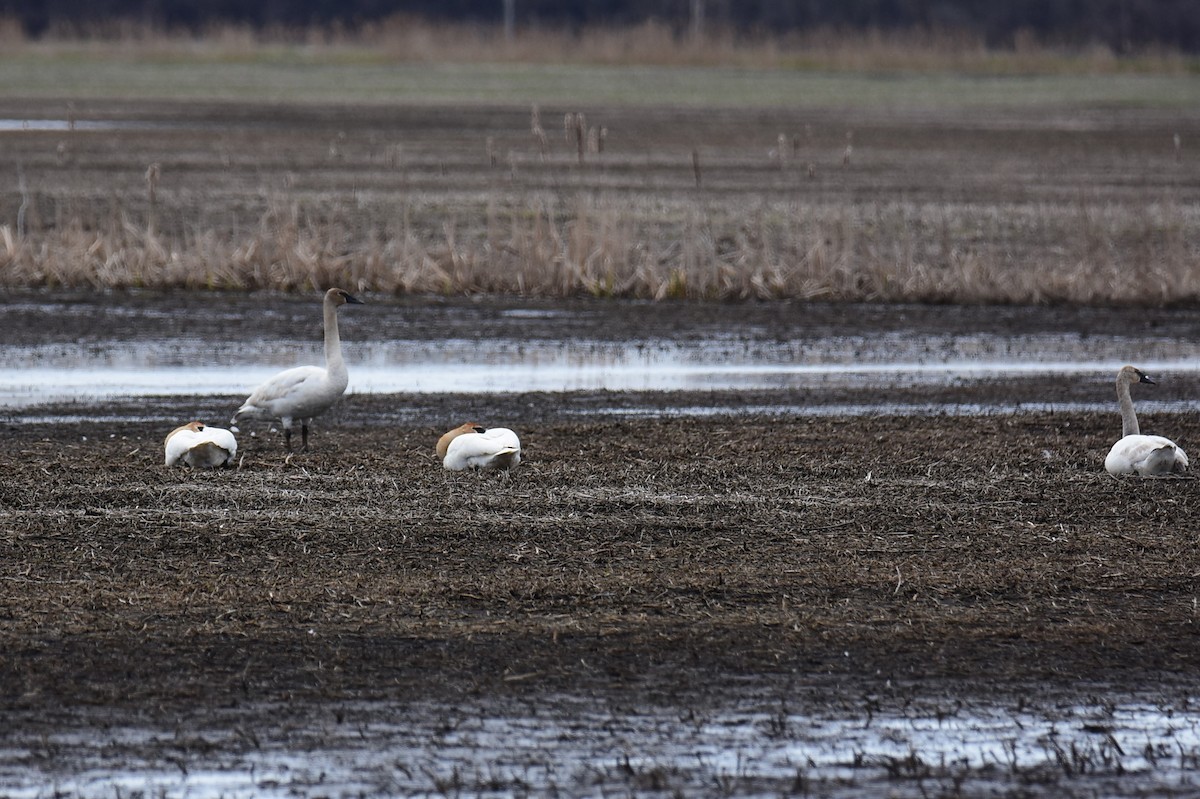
<point x="1135" y="453"/>
<point x="305" y="391"/>
<point x="471" y="446"/>
<point x="200" y="446"/>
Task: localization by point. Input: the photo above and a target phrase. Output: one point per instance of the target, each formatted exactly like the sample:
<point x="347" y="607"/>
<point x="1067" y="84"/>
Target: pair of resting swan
<point x="469" y="446"/>
<point x="303" y="392"/>
<point x="1135" y="453"/>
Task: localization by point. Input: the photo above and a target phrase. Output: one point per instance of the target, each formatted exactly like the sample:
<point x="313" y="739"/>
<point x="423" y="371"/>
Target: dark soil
<point x="623" y="552"/>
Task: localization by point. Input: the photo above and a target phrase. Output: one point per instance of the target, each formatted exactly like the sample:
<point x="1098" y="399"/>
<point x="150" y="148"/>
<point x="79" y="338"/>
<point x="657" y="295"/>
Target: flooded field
<point x="506" y="346"/>
<point x="853" y="551"/>
<point x="898" y="743"/>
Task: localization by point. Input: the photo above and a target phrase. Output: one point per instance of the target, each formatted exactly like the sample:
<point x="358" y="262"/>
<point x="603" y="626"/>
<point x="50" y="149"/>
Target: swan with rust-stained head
<point x="472" y="446"/>
<point x="202" y="447"/>
<point x="305" y="391"/>
<point x="1143" y="455"/>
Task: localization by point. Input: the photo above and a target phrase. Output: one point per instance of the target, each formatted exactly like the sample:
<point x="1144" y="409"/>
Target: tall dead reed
<point x="895" y="252"/>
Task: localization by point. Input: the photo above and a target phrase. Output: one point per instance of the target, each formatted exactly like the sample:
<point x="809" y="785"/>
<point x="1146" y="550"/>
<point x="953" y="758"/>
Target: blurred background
<point x="1118" y="26"/>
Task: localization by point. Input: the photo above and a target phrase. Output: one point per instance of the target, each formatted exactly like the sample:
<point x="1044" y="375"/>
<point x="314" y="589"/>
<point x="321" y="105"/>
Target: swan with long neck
<point x="1135" y="453"/>
<point x="200" y="446"/>
<point x="305" y="391"/>
<point x="472" y="446"/>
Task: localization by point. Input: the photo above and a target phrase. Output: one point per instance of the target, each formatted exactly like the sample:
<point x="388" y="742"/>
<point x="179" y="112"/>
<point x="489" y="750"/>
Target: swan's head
<point x="1131" y="375"/>
<point x="195" y="427"/>
<point x="341" y="297"/>
<point x="444" y="442"/>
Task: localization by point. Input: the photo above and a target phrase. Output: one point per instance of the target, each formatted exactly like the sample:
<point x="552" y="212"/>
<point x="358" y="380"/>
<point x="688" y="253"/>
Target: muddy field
<point x="622" y="551"/>
<point x="828" y="563"/>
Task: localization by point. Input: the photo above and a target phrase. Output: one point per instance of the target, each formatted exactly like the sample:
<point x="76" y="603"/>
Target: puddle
<point x="43" y="125"/>
<point x="582" y="745"/>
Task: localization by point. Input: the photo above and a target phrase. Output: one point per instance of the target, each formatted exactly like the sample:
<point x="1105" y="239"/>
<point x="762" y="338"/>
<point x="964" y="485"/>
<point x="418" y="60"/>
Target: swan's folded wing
<point x="287" y="382"/>
<point x="483" y="450"/>
<point x="503" y="437"/>
<point x="1145" y="455"/>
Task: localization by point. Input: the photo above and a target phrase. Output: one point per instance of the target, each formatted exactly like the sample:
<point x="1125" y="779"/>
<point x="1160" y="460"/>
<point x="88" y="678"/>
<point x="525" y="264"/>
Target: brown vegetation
<point x="1039" y="206"/>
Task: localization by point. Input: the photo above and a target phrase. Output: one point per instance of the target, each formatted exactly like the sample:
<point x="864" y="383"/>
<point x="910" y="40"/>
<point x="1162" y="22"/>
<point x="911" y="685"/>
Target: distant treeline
<point x="1122" y="25"/>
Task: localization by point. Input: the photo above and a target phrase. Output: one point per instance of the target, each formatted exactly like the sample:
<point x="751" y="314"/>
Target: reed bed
<point x="881" y="253"/>
<point x="665" y="204"/>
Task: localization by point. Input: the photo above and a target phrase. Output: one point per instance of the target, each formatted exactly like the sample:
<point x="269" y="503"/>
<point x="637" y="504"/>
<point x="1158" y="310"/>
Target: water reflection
<point x="192" y="367"/>
<point x="578" y="745"/>
<point x="51" y="125"/>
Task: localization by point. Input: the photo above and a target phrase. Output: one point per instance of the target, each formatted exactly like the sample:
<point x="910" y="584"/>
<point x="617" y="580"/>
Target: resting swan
<point x="471" y="446"/>
<point x="200" y="446"/>
<point x="305" y="391"/>
<point x="1136" y="453"/>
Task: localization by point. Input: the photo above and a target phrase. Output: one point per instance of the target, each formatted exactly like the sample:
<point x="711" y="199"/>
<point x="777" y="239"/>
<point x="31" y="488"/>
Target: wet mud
<point x="632" y="558"/>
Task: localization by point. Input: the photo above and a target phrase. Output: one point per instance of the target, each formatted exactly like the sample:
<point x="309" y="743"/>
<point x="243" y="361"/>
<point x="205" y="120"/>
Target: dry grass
<point x="898" y="252"/>
<point x="680" y="204"/>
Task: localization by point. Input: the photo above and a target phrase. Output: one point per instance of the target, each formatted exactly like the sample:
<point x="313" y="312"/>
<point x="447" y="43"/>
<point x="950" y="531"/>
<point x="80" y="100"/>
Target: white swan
<point x="471" y="446"/>
<point x="200" y="446"/>
<point x="305" y="391"/>
<point x="1136" y="453"/>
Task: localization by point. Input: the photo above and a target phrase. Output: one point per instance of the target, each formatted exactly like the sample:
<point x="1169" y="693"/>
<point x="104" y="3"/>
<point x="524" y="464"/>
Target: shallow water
<point x="10" y="125"/>
<point x="94" y="347"/>
<point x="752" y="745"/>
<point x="60" y="372"/>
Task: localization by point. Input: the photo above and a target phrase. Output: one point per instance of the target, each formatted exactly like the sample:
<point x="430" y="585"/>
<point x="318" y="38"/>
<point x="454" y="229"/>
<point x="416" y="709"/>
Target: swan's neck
<point x="1129" y="422"/>
<point x="333" y="341"/>
<point x="443" y="445"/>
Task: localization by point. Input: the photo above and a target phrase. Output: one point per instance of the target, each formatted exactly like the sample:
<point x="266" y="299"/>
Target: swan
<point x="305" y="391"/>
<point x="200" y="446"/>
<point x="471" y="446"/>
<point x="1136" y="453"/>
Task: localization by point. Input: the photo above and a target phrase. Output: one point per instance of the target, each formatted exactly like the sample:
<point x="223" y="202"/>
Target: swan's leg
<point x="287" y="433"/>
<point x="304" y="435"/>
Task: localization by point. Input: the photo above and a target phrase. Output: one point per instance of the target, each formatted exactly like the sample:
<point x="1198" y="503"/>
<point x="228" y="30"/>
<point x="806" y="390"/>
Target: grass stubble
<point x="992" y="547"/>
<point x="846" y="567"/>
<point x="1069" y="206"/>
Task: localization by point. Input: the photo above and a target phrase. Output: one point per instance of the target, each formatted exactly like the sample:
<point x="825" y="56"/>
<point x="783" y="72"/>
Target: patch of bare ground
<point x="648" y="551"/>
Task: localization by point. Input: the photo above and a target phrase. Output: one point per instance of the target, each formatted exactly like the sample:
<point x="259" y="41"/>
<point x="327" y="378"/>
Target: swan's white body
<point x="473" y="447"/>
<point x="1134" y="453"/>
<point x="200" y="446"/>
<point x="305" y="391"/>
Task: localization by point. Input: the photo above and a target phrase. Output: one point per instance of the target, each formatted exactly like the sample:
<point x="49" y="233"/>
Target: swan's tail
<point x="1161" y="460"/>
<point x="208" y="454"/>
<point x="506" y="458"/>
